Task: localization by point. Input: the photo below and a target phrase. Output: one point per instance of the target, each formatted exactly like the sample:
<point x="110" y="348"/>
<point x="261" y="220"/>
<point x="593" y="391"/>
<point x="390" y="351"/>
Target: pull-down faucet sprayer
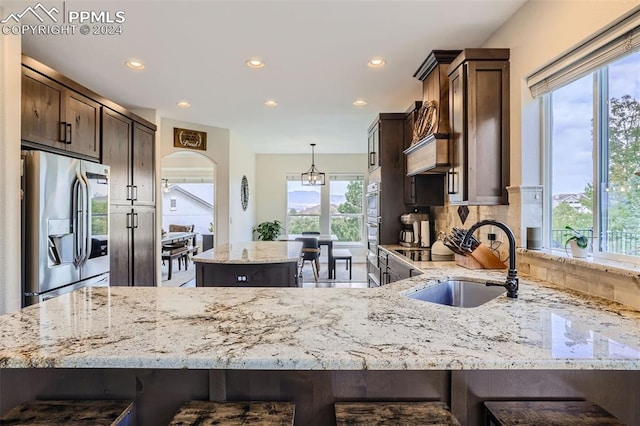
<point x="512" y="275"/>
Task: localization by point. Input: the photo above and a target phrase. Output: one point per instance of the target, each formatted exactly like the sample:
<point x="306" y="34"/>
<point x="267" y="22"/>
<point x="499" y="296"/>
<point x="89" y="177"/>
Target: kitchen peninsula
<point x="162" y="346"/>
<point x="249" y="264"/>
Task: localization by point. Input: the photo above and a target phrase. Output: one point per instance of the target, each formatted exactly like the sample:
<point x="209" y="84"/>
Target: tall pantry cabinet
<point x="128" y="147"/>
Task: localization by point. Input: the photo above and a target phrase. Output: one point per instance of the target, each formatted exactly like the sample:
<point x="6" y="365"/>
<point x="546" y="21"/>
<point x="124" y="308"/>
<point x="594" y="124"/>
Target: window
<point x="571" y="184"/>
<point x="594" y="167"/>
<point x="346" y="217"/>
<point x="303" y="206"/>
<point x="335" y="208"/>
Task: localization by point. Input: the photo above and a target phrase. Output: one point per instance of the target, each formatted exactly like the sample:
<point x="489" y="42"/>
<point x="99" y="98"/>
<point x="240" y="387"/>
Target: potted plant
<point x="268" y="231"/>
<point x="578" y="242"/>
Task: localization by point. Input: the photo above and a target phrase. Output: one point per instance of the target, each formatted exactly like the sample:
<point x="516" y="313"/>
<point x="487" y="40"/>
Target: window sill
<point x="604" y="265"/>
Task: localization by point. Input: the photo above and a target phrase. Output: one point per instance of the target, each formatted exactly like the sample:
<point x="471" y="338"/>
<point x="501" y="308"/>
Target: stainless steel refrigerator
<point x="66" y="225"/>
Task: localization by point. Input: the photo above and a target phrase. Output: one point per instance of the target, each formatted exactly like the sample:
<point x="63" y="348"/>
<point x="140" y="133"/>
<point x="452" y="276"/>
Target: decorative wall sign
<point x="244" y="192"/>
<point x="189" y="139"/>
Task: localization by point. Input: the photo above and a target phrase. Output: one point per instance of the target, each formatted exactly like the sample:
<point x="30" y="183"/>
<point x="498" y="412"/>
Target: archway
<point x="188" y="198"/>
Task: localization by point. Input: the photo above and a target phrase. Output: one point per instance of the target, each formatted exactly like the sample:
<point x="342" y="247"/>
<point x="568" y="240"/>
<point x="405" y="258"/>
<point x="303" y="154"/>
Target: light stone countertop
<point x="322" y="329"/>
<point x="252" y="252"/>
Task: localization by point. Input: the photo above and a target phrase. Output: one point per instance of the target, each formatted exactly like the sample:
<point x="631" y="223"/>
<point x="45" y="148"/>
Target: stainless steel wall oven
<point x="373" y="233"/>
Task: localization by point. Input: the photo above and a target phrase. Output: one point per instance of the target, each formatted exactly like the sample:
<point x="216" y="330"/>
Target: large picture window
<point x="335" y="208"/>
<point x="346" y="216"/>
<point x="304" y="207"/>
<point x="594" y="167"/>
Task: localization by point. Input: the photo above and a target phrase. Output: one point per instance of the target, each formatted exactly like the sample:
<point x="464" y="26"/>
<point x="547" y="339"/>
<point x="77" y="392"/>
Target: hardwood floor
<point x="358" y="276"/>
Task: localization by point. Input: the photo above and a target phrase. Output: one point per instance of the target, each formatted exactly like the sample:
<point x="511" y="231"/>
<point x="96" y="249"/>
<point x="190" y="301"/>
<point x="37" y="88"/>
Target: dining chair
<point x="311" y="253"/>
<point x="310" y="232"/>
<point x="190" y="246"/>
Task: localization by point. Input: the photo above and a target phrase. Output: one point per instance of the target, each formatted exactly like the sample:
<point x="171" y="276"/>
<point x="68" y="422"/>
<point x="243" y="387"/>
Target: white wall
<point x="218" y="151"/>
<point x="10" y="288"/>
<point x="242" y="162"/>
<point x="537" y="33"/>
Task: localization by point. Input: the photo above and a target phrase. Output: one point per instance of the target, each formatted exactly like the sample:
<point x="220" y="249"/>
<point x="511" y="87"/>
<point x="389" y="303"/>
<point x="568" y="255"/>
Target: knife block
<point x="467" y="262"/>
<point x="481" y="258"/>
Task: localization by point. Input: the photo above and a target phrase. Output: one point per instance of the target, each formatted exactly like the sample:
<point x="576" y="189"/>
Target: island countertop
<point x="321" y="329"/>
<point x="252" y="252"/>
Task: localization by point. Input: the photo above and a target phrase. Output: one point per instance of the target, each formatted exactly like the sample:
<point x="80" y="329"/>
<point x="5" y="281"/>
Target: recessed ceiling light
<point x="271" y="103"/>
<point x="183" y="104"/>
<point x="255" y="63"/>
<point x="377" y="62"/>
<point x="359" y="102"/>
<point x="134" y="64"/>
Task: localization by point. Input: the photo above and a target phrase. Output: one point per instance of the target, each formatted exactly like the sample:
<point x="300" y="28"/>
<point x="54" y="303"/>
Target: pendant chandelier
<point x="312" y="176"/>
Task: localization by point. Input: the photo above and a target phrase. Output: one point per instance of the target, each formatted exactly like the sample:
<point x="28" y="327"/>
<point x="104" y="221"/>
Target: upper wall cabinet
<point x="128" y="148"/>
<point x="479" y="120"/>
<point x="428" y="151"/>
<point x="58" y="117"/>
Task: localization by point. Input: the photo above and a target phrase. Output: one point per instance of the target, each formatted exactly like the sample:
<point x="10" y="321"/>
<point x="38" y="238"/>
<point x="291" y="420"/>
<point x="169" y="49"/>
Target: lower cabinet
<point x="247" y="275"/>
<point x="392" y="269"/>
<point x="132" y="246"/>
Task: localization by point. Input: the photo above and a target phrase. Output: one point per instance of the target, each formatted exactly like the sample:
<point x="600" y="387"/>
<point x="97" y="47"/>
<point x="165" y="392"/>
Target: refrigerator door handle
<point x="76" y="202"/>
<point x="88" y="217"/>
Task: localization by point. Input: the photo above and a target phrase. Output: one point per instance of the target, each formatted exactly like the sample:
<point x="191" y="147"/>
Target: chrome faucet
<point x="512" y="275"/>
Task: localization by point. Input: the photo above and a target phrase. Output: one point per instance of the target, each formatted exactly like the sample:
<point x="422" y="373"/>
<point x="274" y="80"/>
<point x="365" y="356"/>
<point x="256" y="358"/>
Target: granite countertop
<point x="252" y="252"/>
<point x="322" y="329"/>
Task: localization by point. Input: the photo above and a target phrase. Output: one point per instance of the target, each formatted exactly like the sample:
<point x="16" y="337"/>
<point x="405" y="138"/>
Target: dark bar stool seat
<point x="81" y="412"/>
<point x="418" y="413"/>
<point x="547" y="413"/>
<point x="234" y="413"/>
<point x="344" y="254"/>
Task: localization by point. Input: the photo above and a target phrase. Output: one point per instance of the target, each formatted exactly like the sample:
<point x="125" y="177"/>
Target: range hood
<point x="429" y="151"/>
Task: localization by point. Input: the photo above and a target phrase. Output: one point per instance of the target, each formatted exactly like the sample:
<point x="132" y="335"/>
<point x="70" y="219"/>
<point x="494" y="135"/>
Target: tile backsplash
<point x="614" y="281"/>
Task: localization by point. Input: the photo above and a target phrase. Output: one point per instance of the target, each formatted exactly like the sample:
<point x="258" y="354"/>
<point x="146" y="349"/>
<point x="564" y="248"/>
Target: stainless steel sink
<point x="460" y="293"/>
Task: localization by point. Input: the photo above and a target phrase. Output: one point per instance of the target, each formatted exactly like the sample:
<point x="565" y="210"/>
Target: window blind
<point x="620" y="38"/>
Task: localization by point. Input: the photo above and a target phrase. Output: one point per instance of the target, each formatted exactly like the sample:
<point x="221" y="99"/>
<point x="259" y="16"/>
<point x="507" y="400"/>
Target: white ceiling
<point x="316" y="55"/>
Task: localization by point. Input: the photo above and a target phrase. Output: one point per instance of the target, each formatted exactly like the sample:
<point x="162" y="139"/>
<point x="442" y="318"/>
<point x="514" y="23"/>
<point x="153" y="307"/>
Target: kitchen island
<point x="249" y="264"/>
<point x="162" y="346"/>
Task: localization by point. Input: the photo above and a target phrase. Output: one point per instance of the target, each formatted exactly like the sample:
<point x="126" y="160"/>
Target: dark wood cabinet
<point x="420" y="190"/>
<point x="132" y="246"/>
<point x="58" y="117"/>
<point x="247" y="275"/>
<point x="389" y="128"/>
<point x="392" y="269"/>
<point x="373" y="141"/>
<point x="117" y="134"/>
<point x="128" y="148"/>
<point x="479" y="119"/>
<point x="143" y="165"/>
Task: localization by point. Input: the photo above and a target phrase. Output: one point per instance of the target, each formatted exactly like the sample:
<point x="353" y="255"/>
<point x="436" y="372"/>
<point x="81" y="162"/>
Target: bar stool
<point x="416" y="413"/>
<point x="237" y="413"/>
<point x="81" y="412"/>
<point x="547" y="413"/>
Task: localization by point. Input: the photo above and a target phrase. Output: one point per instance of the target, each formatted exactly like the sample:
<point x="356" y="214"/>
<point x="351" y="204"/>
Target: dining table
<point x="323" y="240"/>
<point x="175" y="237"/>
